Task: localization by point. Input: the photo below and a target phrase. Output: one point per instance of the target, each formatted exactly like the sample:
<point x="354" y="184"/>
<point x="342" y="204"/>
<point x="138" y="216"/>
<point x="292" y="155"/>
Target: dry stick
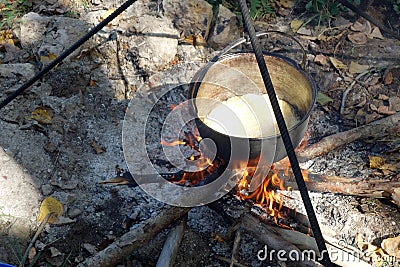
<point x="38" y="232"/>
<point x="374" y="129"/>
<point x="271" y="240"/>
<point x="135" y="238"/>
<point x="349" y="186"/>
<point x="171" y="245"/>
<point x="236" y="244"/>
<point x="346" y="92"/>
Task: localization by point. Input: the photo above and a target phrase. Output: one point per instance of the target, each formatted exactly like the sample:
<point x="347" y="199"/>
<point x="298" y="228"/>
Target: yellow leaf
<point x="357" y="68"/>
<point x="296" y="24"/>
<point x="107" y="13"/>
<point x="52" y="206"/>
<point x="376" y="162"/>
<point x="48" y="58"/>
<point x="339" y="65"/>
<point x="41" y="115"/>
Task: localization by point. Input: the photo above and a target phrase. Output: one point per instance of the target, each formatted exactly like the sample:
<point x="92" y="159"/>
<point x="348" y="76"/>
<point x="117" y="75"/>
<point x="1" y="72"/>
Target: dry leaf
<point x="339" y="65"/>
<point x="296" y="24"/>
<point x="392" y="246"/>
<point x="217" y="237"/>
<point x="106" y="14"/>
<point x="357" y="26"/>
<point x="394" y="103"/>
<point x="388" y="77"/>
<point x="31" y="254"/>
<point x="92" y="83"/>
<point x="383" y="97"/>
<point x="321" y="60"/>
<point x="304" y="31"/>
<point x="7" y="37"/>
<point x="396" y="196"/>
<point x="357" y="68"/>
<point x="195" y="40"/>
<point x="323" y="99"/>
<point x="52" y="206"/>
<point x="41" y="115"/>
<point x="287" y="3"/>
<point x="97" y="148"/>
<point x="48" y="58"/>
<point x="376" y="33"/>
<point x="359" y="38"/>
<point x="376" y="162"/>
<point x="385" y="110"/>
<point x="361" y="103"/>
<point x="388" y="167"/>
<point x="367" y="27"/>
<point x="373" y="107"/>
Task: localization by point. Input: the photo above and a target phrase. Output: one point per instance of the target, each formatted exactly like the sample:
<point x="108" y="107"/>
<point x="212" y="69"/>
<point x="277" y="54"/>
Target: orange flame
<point x="173" y="143"/>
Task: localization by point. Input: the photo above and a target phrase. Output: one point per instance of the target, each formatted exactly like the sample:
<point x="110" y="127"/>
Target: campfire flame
<point x="266" y="195"/>
<point x="173" y="143"/>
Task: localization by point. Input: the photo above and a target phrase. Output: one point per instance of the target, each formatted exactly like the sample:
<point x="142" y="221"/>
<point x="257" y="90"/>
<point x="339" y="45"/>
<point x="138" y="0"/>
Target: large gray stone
<point x="33" y="27"/>
<point x="61" y="34"/>
<point x="226" y="29"/>
<point x="160" y="42"/>
<point x="19" y="205"/>
<point x="188" y="16"/>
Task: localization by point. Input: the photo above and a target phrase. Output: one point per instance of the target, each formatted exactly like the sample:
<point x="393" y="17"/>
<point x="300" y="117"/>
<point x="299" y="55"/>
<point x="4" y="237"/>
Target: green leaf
<point x="323" y="99"/>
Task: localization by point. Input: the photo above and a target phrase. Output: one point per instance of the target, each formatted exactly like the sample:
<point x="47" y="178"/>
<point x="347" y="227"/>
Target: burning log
<point x="171" y="245"/>
<point x="374" y="129"/>
<point x="136" y="237"/>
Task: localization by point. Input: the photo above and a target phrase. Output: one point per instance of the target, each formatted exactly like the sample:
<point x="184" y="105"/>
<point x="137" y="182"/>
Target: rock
<point x="19" y="205"/>
<point x="33" y="27"/>
<point x="40" y="245"/>
<point x="160" y="42"/>
<point x="89" y="248"/>
<point x="61" y="33"/>
<point x="56" y="257"/>
<point x="47" y="189"/>
<point x="194" y="16"/>
<point x="226" y="29"/>
<point x="18" y="71"/>
<point x="64" y="221"/>
<point x="54" y="252"/>
<point x="74" y="213"/>
<point x="392" y="246"/>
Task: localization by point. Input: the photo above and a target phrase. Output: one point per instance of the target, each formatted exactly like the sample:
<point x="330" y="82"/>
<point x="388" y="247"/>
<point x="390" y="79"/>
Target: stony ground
<point x="64" y="134"/>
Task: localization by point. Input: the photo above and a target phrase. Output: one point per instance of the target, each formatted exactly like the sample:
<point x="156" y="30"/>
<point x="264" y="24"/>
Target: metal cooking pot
<point x="237" y="74"/>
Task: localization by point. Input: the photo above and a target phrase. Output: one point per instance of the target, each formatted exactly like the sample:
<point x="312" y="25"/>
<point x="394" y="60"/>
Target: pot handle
<point x="259" y="34"/>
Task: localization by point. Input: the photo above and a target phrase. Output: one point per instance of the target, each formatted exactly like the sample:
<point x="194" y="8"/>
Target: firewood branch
<point x="375" y="129"/>
<point x="136" y="237"/>
<point x="348" y="186"/>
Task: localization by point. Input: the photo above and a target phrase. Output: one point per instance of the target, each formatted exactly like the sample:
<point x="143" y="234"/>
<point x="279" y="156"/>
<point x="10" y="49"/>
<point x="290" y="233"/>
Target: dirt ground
<point x="63" y="135"/>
